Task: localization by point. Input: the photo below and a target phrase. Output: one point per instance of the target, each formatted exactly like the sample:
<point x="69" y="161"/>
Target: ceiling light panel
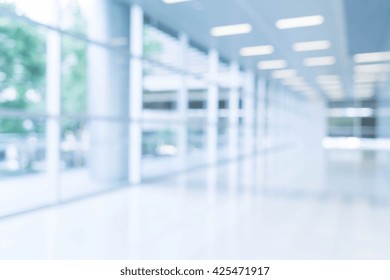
<point x="364" y="93"/>
<point x="175" y="1"/>
<point x="272" y="64"/>
<point x="372" y="68"/>
<point x="364" y="86"/>
<point x="302" y="88"/>
<point x="257" y="50"/>
<point x="328" y="79"/>
<point x="296" y="81"/>
<point x="311" y="46"/>
<point x="228" y="30"/>
<point x="284" y="74"/>
<point x="365" y="78"/>
<point x="300" y="22"/>
<point x="334" y="94"/>
<point x="319" y="61"/>
<point x="331" y="87"/>
<point x="372" y="57"/>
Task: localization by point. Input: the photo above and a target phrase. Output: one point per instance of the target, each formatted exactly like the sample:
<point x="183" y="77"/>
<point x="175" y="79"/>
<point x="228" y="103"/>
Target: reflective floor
<point x="278" y="205"/>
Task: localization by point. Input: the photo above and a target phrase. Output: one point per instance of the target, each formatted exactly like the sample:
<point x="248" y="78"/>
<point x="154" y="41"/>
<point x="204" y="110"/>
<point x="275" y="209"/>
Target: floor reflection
<point x="300" y="205"/>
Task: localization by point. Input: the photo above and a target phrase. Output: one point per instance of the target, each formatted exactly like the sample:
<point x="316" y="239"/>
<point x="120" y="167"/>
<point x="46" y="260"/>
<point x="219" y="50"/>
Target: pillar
<point x="53" y="99"/>
<point x="212" y="107"/>
<point x="248" y="110"/>
<point x="136" y="92"/>
<point x="108" y="85"/>
<point x="182" y="99"/>
<point x="233" y="103"/>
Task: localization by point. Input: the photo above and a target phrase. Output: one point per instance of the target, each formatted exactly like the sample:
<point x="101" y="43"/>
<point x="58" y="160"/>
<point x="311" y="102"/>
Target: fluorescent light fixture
<point x="331" y="87"/>
<point x="372" y="68"/>
<point x="365" y="91"/>
<point x="257" y="50"/>
<point x="272" y="64"/>
<point x="360" y="112"/>
<point x="328" y="79"/>
<point x="336" y="95"/>
<point x="296" y="81"/>
<point x="363" y="86"/>
<point x="311" y="46"/>
<point x="300" y="22"/>
<point x="175" y="1"/>
<point x="284" y="74"/>
<point x="337" y="92"/>
<point x="364" y="95"/>
<point x="310" y="92"/>
<point x="383" y="77"/>
<point x="329" y="83"/>
<point x="336" y="98"/>
<point x="361" y="79"/>
<point x="302" y="88"/>
<point x="351" y="112"/>
<point x="319" y="61"/>
<point x="228" y="30"/>
<point x="372" y="57"/>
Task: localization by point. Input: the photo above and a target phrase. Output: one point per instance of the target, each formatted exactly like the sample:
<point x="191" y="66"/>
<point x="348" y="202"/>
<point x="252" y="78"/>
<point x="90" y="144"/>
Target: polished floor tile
<point x="327" y="205"/>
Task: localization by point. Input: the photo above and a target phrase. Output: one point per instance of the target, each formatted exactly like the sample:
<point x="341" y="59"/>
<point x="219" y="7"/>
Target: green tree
<point x="22" y="69"/>
<point x="74" y="69"/>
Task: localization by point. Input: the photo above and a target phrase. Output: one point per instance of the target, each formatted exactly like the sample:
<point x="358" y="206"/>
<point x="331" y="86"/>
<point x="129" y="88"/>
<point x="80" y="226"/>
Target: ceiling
<point x="352" y="26"/>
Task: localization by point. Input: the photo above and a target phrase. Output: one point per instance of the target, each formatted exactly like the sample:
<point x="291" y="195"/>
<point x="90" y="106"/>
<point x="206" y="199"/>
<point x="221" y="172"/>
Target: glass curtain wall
<point x="89" y="103"/>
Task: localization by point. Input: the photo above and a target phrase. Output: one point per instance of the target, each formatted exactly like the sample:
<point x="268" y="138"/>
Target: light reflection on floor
<point x="333" y="205"/>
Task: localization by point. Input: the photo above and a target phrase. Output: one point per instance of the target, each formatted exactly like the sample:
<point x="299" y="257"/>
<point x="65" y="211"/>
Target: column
<point x="53" y="99"/>
<point x="182" y="99"/>
<point x="260" y="113"/>
<point x="136" y="90"/>
<point x="357" y="121"/>
<point x="383" y="112"/>
<point x="248" y="110"/>
<point x="212" y="107"/>
<point x="234" y="104"/>
<point x="108" y="72"/>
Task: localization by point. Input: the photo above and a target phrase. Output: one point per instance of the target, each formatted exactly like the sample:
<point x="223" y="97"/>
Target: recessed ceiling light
<point x="383" y="78"/>
<point x="284" y="74"/>
<point x="334" y="93"/>
<point x="328" y="79"/>
<point x="311" y="93"/>
<point x="372" y="57"/>
<point x="331" y="87"/>
<point x="336" y="98"/>
<point x="175" y="1"/>
<point x="311" y="46"/>
<point x="372" y="68"/>
<point x="329" y="83"/>
<point x="228" y="30"/>
<point x="302" y="88"/>
<point x="299" y="22"/>
<point x="364" y="92"/>
<point x="319" y="61"/>
<point x="272" y="64"/>
<point x="257" y="50"/>
<point x="361" y="79"/>
<point x="363" y="86"/>
<point x="296" y="81"/>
